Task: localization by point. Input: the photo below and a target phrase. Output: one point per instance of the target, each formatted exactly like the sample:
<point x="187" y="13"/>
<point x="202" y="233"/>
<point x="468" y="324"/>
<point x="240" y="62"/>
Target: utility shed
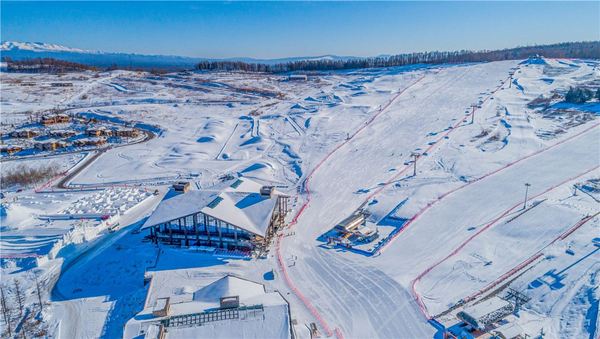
<point x="485" y="313"/>
<point x="351" y="223"/>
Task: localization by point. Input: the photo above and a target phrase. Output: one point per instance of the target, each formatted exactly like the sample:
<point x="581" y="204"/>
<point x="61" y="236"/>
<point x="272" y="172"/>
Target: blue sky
<point x="284" y="29"/>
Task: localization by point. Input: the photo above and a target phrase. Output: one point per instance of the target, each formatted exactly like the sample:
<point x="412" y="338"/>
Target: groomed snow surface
<point x="336" y="143"/>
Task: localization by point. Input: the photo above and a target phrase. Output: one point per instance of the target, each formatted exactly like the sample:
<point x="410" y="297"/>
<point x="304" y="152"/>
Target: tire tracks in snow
<point x="282" y="267"/>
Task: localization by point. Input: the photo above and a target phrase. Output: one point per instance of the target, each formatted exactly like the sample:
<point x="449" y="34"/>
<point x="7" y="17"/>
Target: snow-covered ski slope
<point x="351" y="287"/>
<point x="343" y="141"/>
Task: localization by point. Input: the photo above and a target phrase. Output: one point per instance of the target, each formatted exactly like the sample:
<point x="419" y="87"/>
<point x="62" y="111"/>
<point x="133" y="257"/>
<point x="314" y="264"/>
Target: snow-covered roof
<point x="249" y="211"/>
<point x="178" y="206"/>
<point x="509" y="330"/>
<point x="239" y="203"/>
<point x="486" y="312"/>
<point x="229" y="286"/>
<point x="486" y="307"/>
<point x="272" y="322"/>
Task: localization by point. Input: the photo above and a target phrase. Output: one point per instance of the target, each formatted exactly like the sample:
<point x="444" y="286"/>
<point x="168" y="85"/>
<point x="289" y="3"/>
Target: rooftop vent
<point x="215" y="202"/>
<point x="237" y="183"/>
<point x="230" y="302"/>
<point x="266" y="191"/>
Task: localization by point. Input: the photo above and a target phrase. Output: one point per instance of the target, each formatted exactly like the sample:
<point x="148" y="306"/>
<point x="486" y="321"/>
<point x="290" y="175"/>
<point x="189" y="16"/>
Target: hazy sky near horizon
<point x="285" y="29"/>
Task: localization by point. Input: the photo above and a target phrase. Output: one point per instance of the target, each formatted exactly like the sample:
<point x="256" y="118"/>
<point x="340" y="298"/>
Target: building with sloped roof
<point x="228" y="307"/>
<point x="240" y="214"/>
<point x="483" y="314"/>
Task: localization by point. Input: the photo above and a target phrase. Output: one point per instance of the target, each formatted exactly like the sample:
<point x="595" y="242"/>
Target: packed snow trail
<point x="435" y="144"/>
<point x="512" y="163"/>
<point x="531" y="259"/>
<point x="445" y="226"/>
<point x="419" y="298"/>
<point x="282" y="266"/>
<point x="407" y="117"/>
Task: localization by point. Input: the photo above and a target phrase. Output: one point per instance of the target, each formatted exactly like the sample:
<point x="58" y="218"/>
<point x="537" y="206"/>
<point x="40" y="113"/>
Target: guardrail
<point x="200" y="318"/>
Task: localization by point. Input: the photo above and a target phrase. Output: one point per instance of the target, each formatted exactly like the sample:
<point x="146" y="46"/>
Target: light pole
<point x="526" y="190"/>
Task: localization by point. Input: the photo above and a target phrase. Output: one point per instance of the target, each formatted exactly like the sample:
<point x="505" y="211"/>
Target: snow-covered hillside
<point x="30" y="50"/>
<point x="456" y="233"/>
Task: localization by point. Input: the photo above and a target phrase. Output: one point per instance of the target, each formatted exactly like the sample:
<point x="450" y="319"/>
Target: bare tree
<point x="5" y="310"/>
<point x="39" y="294"/>
<point x="19" y="297"/>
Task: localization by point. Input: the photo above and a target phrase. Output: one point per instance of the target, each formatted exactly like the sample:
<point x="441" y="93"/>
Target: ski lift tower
<point x="510" y="80"/>
<point x="517" y="297"/>
<point x="527" y="185"/>
<point x="415" y="156"/>
<point x="473" y="108"/>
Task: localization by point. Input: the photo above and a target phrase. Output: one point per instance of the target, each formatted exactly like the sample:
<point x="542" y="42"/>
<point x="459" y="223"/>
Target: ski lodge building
<point x="243" y="215"/>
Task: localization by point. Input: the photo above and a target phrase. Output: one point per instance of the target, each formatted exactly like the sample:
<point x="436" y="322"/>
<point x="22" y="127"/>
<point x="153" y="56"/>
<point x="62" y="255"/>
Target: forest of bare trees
<point x="24" y="176"/>
<point x="44" y="65"/>
<point x="579" y="50"/>
<point x="18" y="319"/>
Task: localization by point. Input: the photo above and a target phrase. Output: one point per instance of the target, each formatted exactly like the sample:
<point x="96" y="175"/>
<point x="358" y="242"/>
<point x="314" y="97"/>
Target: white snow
<point x="462" y="227"/>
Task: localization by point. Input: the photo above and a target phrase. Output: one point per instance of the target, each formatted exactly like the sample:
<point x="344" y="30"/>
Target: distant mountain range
<point x="33" y="50"/>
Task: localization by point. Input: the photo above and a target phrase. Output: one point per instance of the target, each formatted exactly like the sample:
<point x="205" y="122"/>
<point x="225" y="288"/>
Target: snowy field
<point x="335" y="143"/>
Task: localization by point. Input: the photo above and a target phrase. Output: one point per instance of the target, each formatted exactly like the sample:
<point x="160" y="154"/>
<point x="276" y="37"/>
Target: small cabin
<point x="55" y="119"/>
<point x="61" y="133"/>
<point x="126" y="133"/>
<point x="50" y="145"/>
<point x="90" y="142"/>
<point x="11" y="149"/>
<point x="298" y="77"/>
<point x="351" y="223"/>
<point x="182" y="186"/>
<point x="24" y="134"/>
<point x="99" y="132"/>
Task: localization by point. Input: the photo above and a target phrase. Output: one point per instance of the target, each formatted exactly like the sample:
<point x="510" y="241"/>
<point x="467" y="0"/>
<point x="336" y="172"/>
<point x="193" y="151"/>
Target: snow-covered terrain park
<point x="456" y="233"/>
